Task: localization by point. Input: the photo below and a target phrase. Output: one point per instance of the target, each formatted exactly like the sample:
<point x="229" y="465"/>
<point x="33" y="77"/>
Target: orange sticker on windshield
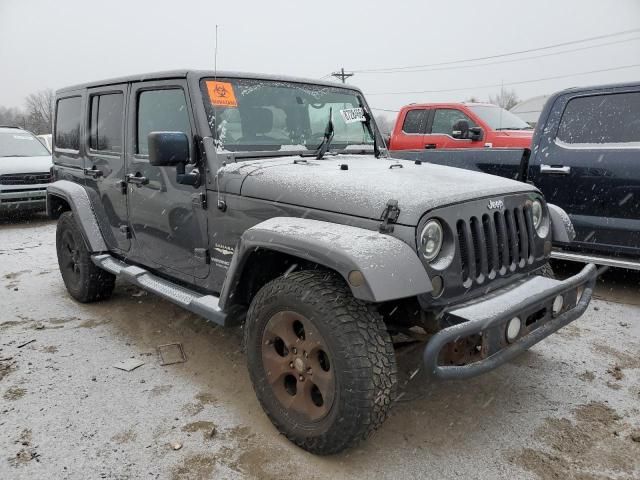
<point x="221" y="94"/>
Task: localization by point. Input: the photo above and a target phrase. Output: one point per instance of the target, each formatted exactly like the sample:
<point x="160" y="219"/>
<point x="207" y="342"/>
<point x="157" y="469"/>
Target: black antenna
<point x="216" y="140"/>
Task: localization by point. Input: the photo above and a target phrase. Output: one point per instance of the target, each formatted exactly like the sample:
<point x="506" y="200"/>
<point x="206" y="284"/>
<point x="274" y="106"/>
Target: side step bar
<point x="596" y="259"/>
<point x="204" y="305"/>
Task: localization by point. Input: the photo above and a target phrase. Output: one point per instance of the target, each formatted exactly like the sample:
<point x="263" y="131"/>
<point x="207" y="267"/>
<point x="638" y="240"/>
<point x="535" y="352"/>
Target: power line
<point x="522" y="82"/>
<point x="458" y="67"/>
<point x="490" y="57"/>
<point x="384" y="110"/>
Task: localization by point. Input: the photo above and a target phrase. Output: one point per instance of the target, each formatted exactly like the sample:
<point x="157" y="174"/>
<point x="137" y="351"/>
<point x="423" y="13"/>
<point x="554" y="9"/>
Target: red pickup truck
<point x="458" y="125"/>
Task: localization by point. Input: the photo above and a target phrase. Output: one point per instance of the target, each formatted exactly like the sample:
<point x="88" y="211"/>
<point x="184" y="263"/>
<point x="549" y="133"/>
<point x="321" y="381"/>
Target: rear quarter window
<point x="67" y="127"/>
<point x="601" y="120"/>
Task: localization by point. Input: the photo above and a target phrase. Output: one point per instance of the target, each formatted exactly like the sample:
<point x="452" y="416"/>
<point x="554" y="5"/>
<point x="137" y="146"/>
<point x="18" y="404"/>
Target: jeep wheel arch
<point x="76" y="198"/>
<point x="375" y="266"/>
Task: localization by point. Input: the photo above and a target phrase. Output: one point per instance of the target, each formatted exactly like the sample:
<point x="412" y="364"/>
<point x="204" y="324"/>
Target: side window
<point x="601" y="119"/>
<point x="68" y="123"/>
<point x="161" y="111"/>
<point x="105" y="126"/>
<point x="445" y="118"/>
<point x="415" y="121"/>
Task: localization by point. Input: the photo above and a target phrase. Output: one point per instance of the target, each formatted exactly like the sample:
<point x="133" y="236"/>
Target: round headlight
<point x="536" y="213"/>
<point x="431" y="239"/>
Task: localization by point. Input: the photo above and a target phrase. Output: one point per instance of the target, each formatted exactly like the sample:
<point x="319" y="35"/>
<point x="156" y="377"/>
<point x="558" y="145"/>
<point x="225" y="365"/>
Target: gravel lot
<point x="569" y="408"/>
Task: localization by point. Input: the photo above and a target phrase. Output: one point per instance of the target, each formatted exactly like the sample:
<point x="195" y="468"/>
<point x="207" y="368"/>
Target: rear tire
<point x="84" y="281"/>
<point x="308" y="323"/>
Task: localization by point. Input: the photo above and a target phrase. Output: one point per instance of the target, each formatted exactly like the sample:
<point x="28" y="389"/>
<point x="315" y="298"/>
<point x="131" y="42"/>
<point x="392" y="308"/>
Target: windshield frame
<point x="25" y="133"/>
<point x="337" y="147"/>
<point x="481" y="110"/>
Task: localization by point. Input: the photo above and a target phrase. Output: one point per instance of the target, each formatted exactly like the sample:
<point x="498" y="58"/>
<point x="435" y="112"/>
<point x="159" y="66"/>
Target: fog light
<point x="513" y="329"/>
<point x="558" y="303"/>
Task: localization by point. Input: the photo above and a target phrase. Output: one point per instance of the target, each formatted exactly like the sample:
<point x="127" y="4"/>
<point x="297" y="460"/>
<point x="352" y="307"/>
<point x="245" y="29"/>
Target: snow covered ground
<point x="568" y="408"/>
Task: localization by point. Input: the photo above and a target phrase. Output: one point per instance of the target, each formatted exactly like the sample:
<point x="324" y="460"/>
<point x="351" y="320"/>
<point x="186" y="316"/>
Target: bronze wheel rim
<point x="297" y="364"/>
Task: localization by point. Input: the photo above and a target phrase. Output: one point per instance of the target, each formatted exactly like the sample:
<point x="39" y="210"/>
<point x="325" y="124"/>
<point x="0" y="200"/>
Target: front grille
<point x="495" y="244"/>
<point x="25" y="178"/>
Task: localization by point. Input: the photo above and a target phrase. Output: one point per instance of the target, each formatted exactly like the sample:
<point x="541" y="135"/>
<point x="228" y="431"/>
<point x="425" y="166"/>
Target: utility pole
<point x="341" y="75"/>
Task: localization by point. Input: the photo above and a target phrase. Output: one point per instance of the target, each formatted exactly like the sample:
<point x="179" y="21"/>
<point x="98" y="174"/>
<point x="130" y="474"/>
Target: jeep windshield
<point x="21" y="144"/>
<point x="498" y="118"/>
<point x="248" y="115"/>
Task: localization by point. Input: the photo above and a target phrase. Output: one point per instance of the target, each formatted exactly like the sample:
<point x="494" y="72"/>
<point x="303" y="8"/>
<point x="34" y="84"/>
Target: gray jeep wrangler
<point x="271" y="202"/>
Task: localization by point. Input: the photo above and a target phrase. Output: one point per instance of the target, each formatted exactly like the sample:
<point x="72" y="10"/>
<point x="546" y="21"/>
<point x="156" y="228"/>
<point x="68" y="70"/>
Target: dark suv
<point x="271" y="201"/>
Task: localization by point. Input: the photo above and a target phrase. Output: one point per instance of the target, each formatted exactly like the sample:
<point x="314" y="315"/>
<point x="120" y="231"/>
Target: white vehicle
<point x="25" y="170"/>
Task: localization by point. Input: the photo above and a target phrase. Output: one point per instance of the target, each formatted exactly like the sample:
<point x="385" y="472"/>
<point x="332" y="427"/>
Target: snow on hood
<point x="365" y="188"/>
<point x="11" y="165"/>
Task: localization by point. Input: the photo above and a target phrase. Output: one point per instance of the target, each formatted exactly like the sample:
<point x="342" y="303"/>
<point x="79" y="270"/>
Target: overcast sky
<point x="51" y="44"/>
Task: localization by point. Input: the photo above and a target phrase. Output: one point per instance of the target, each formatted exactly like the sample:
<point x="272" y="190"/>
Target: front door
<point x="166" y="218"/>
<point x="439" y="132"/>
<point x="589" y="164"/>
<point x="104" y="164"/>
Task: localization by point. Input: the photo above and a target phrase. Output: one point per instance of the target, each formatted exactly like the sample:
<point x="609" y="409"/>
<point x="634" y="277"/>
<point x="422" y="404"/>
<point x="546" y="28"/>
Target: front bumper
<point x="479" y="327"/>
<point x="27" y="199"/>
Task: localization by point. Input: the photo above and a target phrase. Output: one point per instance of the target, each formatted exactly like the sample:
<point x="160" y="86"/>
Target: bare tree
<point x="506" y="99"/>
<point x="39" y="111"/>
<point x="385" y="124"/>
<point x="13" y="117"/>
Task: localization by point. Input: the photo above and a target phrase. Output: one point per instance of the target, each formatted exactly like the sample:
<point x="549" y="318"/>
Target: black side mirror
<point x="168" y="149"/>
<point x="171" y="149"/>
<point x="460" y="129"/>
<point x="475" y="133"/>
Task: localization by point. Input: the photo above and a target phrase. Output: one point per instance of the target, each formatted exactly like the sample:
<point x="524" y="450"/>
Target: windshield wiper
<point x="376" y="148"/>
<point x="328" y="136"/>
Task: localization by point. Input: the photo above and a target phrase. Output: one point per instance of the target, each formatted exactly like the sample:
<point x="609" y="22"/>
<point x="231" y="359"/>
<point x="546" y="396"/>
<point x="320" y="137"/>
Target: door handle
<point x="555" y="169"/>
<point x="93" y="172"/>
<point x="136" y="179"/>
<point x="430" y="146"/>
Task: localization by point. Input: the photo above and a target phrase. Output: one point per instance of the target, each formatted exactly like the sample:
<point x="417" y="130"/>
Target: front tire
<point x="321" y="362"/>
<point x="84" y="281"/>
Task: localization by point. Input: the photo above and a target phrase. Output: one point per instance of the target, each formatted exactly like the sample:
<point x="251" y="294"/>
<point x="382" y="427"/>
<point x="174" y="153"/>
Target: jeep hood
<point x="12" y="165"/>
<point x="365" y="187"/>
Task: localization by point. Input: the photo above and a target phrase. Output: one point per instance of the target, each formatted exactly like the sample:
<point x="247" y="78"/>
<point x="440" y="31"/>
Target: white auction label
<point x="353" y="115"/>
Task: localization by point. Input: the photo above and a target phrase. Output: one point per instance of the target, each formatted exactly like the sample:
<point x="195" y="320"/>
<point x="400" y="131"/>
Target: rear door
<point x="166" y="218"/>
<point x="410" y="135"/>
<point x="104" y="162"/>
<point x="440" y="129"/>
<point x="588" y="162"/>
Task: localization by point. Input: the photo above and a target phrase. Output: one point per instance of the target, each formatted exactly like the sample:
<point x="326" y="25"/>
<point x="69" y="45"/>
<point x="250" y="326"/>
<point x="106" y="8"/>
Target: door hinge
<point x="389" y="216"/>
<point x="202" y="255"/>
<point x="126" y="231"/>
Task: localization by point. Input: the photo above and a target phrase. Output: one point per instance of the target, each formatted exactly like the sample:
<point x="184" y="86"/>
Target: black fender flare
<point x="78" y="200"/>
<point x="390" y="268"/>
<point x="561" y="226"/>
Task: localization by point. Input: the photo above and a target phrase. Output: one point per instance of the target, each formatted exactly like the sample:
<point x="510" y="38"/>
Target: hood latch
<point x="389" y="216"/>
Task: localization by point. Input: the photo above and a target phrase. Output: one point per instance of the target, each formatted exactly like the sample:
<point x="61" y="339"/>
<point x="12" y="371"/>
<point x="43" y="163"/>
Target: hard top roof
<point x="200" y="73"/>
